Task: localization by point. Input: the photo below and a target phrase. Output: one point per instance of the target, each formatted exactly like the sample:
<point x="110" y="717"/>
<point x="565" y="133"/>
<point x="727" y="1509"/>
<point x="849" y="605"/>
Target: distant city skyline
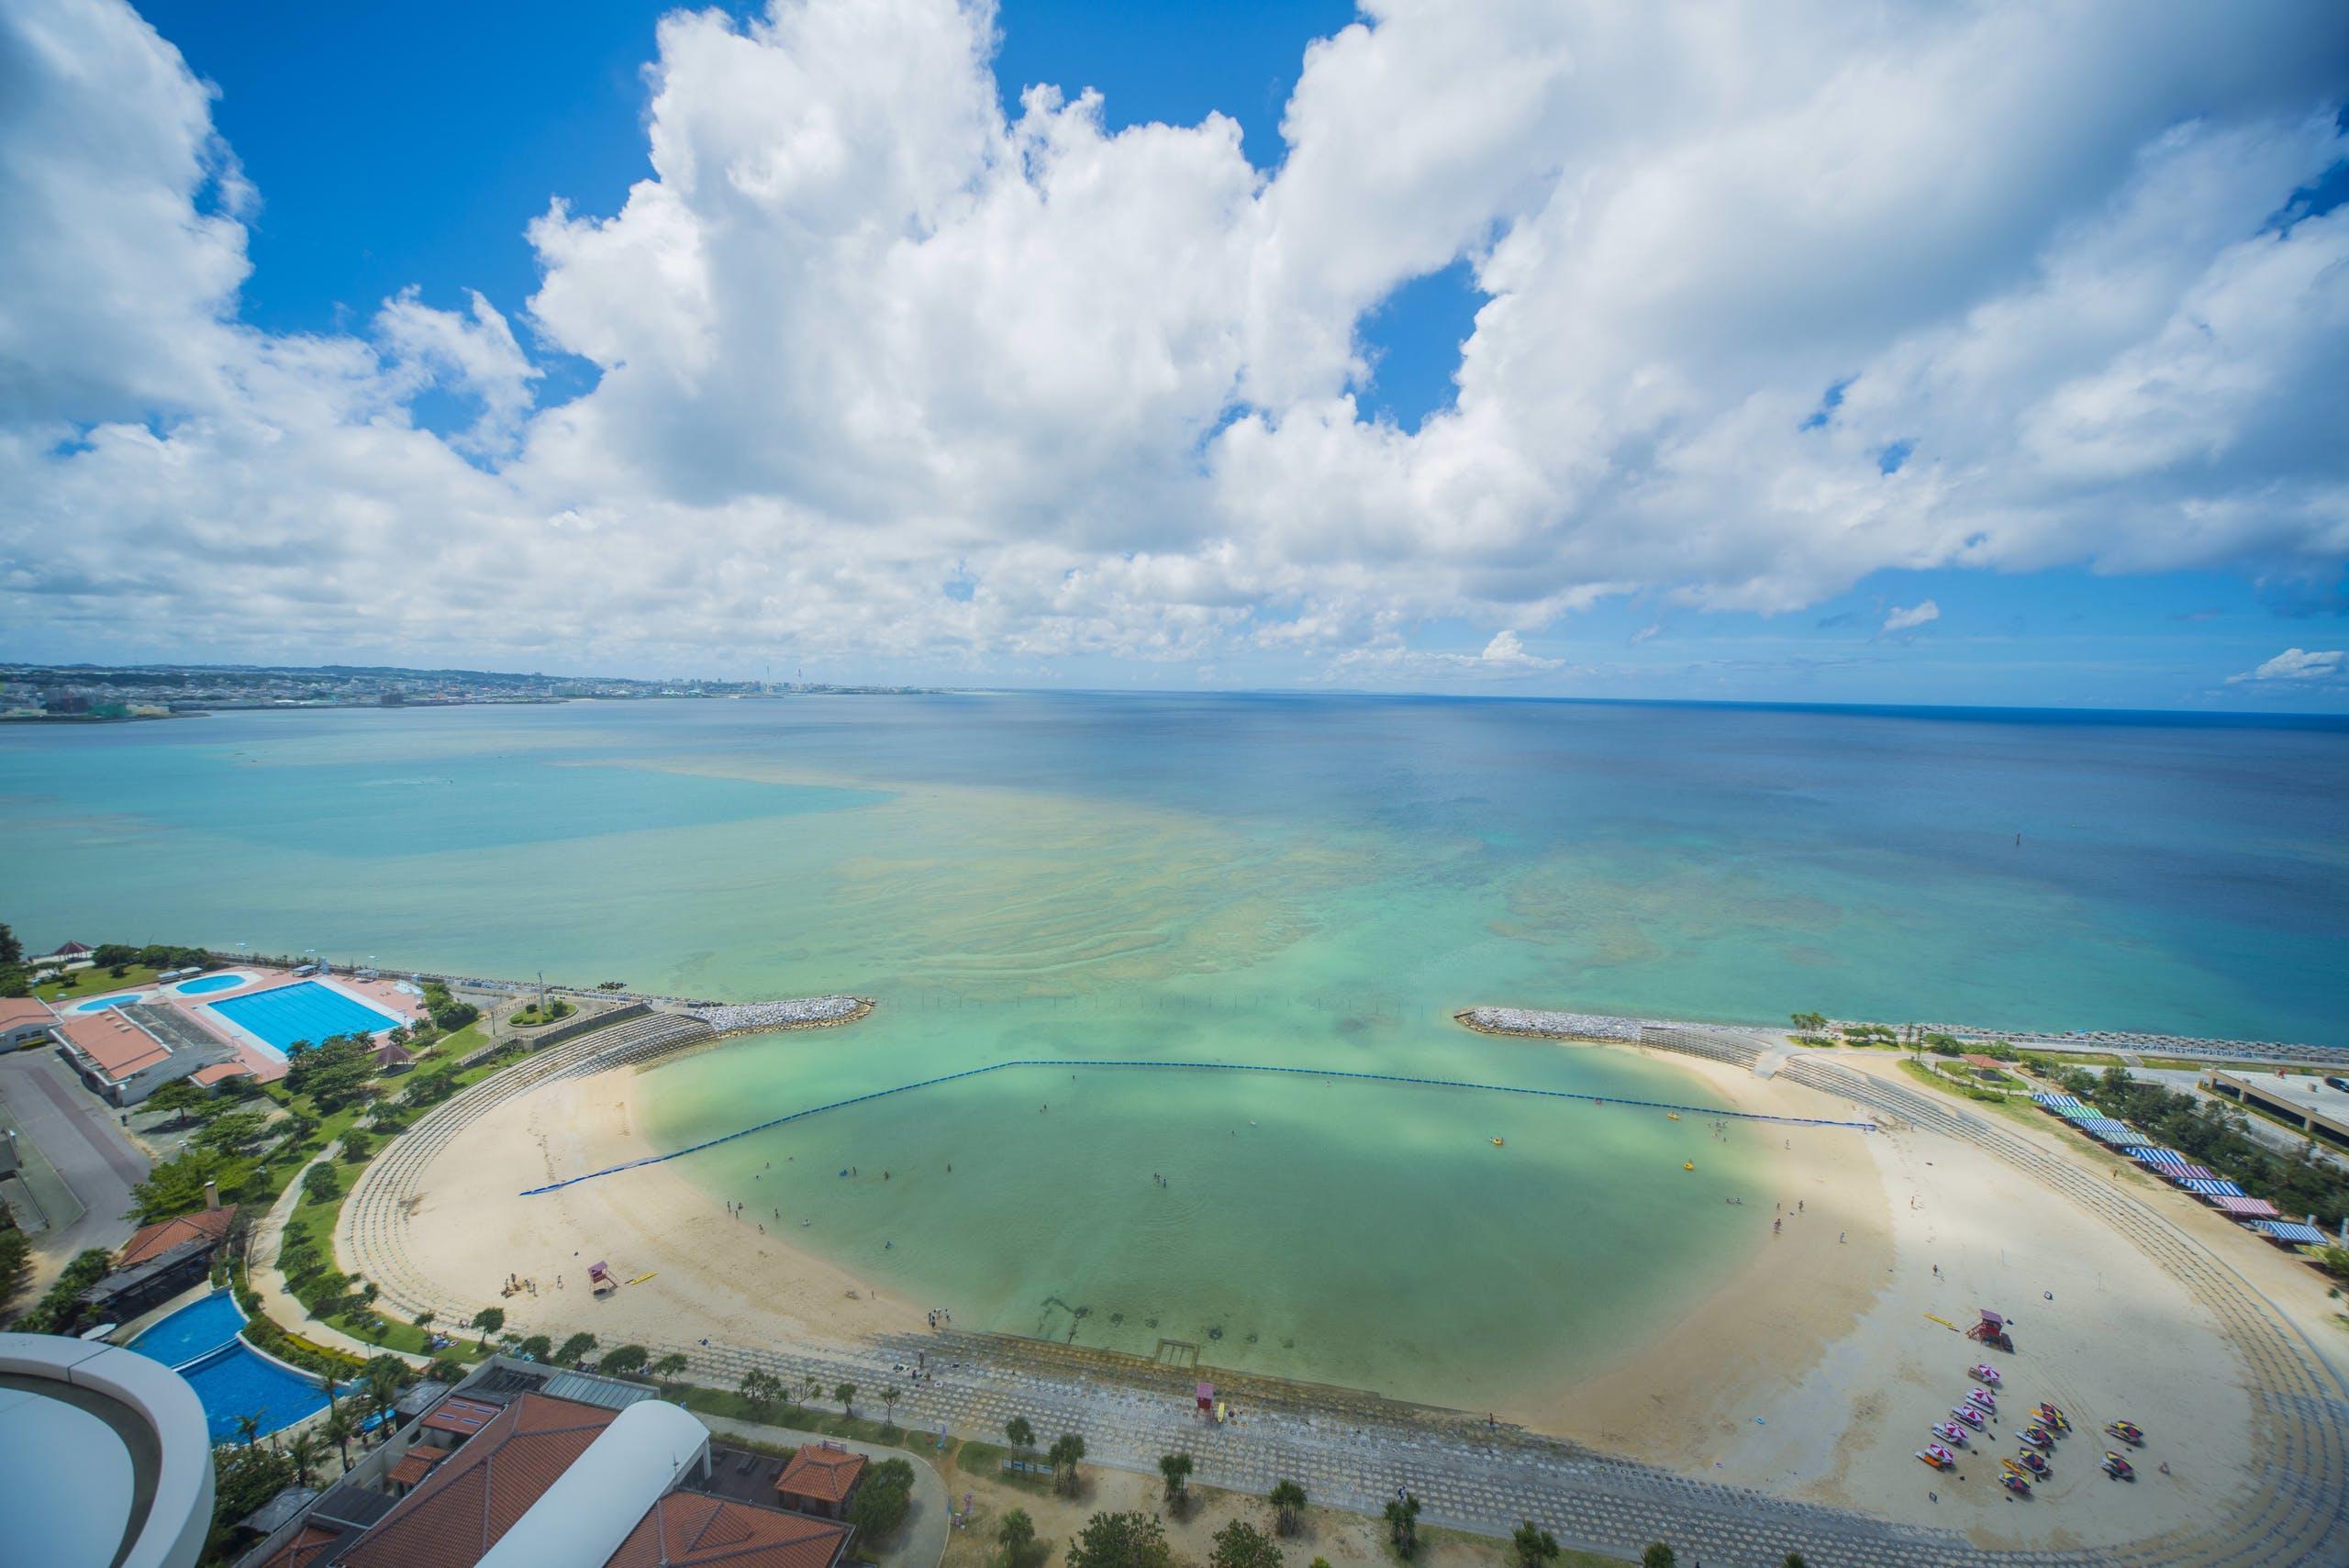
<point x="1681" y="352"/>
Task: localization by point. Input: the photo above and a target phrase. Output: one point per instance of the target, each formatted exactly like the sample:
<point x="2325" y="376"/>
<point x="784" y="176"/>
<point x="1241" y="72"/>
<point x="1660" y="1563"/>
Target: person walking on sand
<point x="1775" y="1225"/>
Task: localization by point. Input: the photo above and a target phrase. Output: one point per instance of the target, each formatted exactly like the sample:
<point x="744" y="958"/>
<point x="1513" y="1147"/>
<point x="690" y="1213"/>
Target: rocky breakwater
<point x="799" y="1013"/>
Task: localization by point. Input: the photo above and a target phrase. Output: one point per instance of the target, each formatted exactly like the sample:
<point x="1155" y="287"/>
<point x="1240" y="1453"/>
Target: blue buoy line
<point x="1199" y="1067"/>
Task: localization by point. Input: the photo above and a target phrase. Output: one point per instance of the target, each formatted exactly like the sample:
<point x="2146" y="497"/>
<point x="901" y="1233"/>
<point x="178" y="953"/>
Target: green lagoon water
<point x="1315" y="882"/>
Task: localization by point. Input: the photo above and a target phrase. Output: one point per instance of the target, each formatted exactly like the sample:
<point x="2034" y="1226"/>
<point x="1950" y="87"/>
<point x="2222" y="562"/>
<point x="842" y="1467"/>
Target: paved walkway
<point x="1352" y="1450"/>
<point x="921" y="1541"/>
<point x="92" y="1155"/>
<point x="277" y="1298"/>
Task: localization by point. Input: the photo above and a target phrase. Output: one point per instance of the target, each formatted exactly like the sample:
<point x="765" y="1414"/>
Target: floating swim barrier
<point x="1063" y="1066"/>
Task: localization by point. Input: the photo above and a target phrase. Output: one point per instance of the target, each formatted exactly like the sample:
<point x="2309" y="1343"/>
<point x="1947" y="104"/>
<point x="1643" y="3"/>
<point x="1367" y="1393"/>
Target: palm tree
<point x="340" y="1429"/>
<point x="1794" y="1559"/>
<point x="248" y="1428"/>
<point x="1175" y="1468"/>
<point x="1021" y="1435"/>
<point x="1066" y="1451"/>
<point x="814" y="1389"/>
<point x="1403" y="1524"/>
<point x="302" y="1453"/>
<point x="1017" y="1533"/>
<point x="669" y="1366"/>
<point x="423" y="1319"/>
<point x="1535" y="1546"/>
<point x="381" y="1385"/>
<point x="846" y="1394"/>
<point x="1287" y="1499"/>
<point x="890" y="1405"/>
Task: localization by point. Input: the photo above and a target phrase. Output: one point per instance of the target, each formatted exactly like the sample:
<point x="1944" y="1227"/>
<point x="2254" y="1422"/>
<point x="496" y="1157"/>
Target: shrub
<point x="1120" y="1540"/>
<point x="61" y="1310"/>
<point x="880" y="1503"/>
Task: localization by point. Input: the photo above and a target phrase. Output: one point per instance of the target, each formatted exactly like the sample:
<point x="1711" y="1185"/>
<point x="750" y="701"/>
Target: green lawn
<point x="317" y="1219"/>
<point x="95" y="982"/>
<point x="830" y="1423"/>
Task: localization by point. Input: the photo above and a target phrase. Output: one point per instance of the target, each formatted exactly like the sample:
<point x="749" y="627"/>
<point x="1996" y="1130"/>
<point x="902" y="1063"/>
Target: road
<point x="2271" y="1135"/>
<point x="80" y="1138"/>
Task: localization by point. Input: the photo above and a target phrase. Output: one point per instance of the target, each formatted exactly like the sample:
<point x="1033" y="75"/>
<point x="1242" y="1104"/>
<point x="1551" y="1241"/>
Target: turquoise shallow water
<point x="1304" y="881"/>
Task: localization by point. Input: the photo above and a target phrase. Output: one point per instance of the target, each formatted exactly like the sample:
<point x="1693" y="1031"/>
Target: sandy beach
<point x="1816" y="1372"/>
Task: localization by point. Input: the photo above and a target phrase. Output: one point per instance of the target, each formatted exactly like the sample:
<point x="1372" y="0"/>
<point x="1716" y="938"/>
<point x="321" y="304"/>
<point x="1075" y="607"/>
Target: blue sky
<point x="2020" y="381"/>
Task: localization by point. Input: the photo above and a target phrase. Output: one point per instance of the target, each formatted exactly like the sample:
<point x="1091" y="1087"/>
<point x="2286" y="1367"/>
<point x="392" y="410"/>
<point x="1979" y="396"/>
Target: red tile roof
<point x="16" y="1010"/>
<point x="154" y="1240"/>
<point x="687" y="1529"/>
<point x="220" y="1072"/>
<point x="466" y="1505"/>
<point x="307" y="1548"/>
<point x="415" y="1464"/>
<point x="460" y="1415"/>
<point x="826" y="1474"/>
<point x="117" y="1047"/>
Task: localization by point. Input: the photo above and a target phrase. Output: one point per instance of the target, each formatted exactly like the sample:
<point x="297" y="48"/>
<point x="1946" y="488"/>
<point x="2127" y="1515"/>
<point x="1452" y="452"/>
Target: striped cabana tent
<point x="2079" y="1113"/>
<point x="2195" y="1173"/>
<point x="2248" y="1208"/>
<point x="2208" y="1186"/>
<point x="2167" y="1161"/>
<point x="2057" y="1102"/>
<point x="2293" y="1233"/>
<point x="2106" y="1130"/>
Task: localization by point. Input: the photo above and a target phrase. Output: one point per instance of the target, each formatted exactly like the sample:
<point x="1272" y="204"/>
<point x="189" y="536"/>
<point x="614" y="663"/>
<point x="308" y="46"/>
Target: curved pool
<point x="103" y="1003"/>
<point x="231" y="1378"/>
<point x="204" y="984"/>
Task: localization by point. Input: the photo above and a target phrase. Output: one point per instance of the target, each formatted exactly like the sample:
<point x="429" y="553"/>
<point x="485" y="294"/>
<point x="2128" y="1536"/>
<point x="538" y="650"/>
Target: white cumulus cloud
<point x="1920" y="614"/>
<point x="2300" y="664"/>
<point x="863" y="333"/>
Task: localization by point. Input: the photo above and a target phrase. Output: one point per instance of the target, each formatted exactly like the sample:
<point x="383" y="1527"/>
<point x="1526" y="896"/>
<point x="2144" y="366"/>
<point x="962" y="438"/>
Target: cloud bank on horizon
<point x="1774" y="298"/>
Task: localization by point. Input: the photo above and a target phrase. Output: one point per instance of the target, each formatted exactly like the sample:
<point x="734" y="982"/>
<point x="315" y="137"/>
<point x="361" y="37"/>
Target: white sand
<point x="1816" y="1372"/>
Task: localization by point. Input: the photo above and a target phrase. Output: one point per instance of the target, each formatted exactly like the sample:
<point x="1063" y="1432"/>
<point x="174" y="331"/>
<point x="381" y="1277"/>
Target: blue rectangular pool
<point x="308" y="1012"/>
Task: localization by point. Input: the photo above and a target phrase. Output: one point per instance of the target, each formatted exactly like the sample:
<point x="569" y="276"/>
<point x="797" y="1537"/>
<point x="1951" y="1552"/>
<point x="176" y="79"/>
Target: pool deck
<point x="253" y="1055"/>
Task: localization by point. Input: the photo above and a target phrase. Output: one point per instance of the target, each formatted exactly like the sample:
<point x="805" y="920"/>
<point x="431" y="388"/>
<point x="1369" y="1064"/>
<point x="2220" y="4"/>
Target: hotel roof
<point x="154" y="1240"/>
<point x="460" y="1415"/>
<point x="687" y="1529"/>
<point x="310" y="1548"/>
<point x="16" y="1010"/>
<point x="114" y="1045"/>
<point x="466" y="1504"/>
<point x="415" y="1464"/>
<point x="826" y="1474"/>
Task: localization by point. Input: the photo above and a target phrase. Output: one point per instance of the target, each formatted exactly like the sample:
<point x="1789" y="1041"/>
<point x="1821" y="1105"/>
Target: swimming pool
<point x="103" y="1003"/>
<point x="308" y="1011"/>
<point x="195" y="1330"/>
<point x="231" y="1378"/>
<point x="205" y="984"/>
